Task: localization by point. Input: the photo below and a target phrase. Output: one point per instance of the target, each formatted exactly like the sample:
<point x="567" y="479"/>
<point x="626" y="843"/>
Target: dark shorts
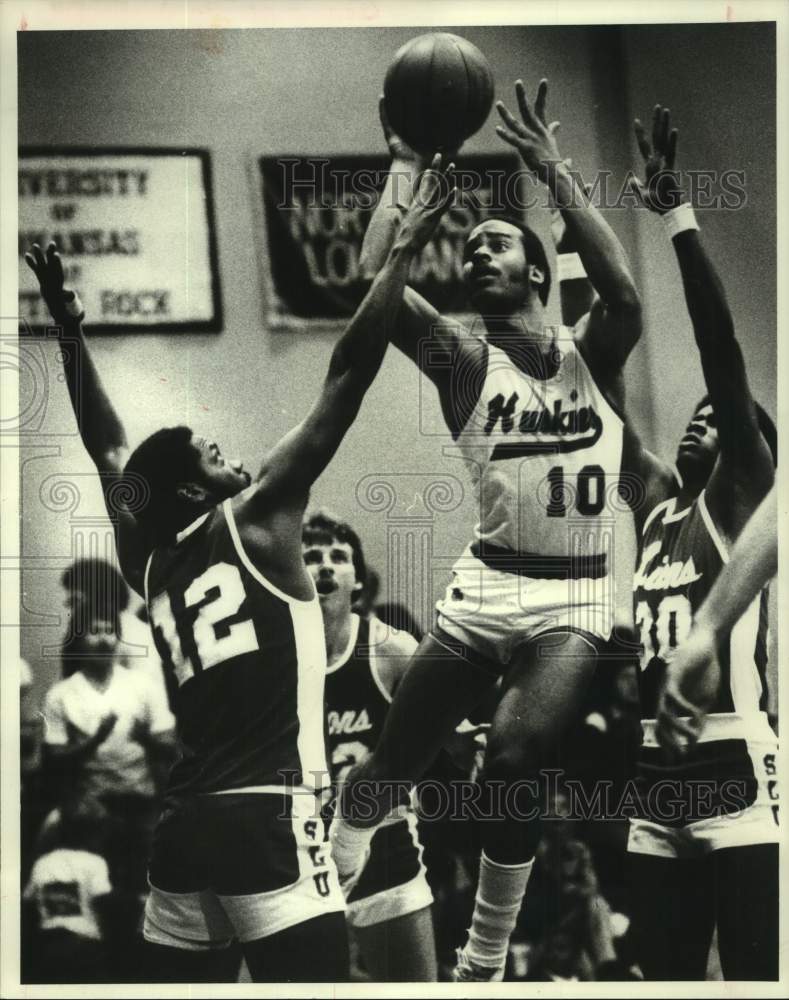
<point x="394" y="880"/>
<point x="242" y="865"/>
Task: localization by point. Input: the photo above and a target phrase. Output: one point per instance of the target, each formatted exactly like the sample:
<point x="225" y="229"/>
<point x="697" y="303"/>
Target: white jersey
<point x="544" y="457"/>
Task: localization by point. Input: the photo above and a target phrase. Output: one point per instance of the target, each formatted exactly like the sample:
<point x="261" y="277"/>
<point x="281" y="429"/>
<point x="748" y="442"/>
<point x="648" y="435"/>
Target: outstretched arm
<point x="297" y="461"/>
<point x="614" y="324"/>
<point x="434" y="344"/>
<point x="694" y="673"/>
<point x="99" y="425"/>
<point x="577" y="297"/>
<point x="746" y="466"/>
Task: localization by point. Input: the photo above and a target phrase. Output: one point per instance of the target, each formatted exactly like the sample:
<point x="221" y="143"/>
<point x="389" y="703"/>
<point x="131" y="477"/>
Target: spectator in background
<point x="88" y="581"/>
<point x="109" y="736"/>
<point x="66" y="904"/>
<point x="32" y="804"/>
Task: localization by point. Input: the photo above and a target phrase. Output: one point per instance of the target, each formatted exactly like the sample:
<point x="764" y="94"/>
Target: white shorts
<point x="238" y="865"/>
<point x="494" y="612"/>
<point x="393" y="882"/>
<point x="734" y="768"/>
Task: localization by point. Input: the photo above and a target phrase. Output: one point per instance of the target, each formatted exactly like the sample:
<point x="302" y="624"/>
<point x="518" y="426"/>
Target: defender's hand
<point x="435" y="190"/>
<point x="660" y="190"/>
<point x="689" y="693"/>
<point x="49" y="271"/>
<point x="533" y="139"/>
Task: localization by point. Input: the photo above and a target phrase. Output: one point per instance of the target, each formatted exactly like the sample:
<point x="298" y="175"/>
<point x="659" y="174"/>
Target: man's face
<point x="330" y="564"/>
<point x="495" y="268"/>
<point x="96" y="640"/>
<point x="698" y="449"/>
<point x="221" y="477"/>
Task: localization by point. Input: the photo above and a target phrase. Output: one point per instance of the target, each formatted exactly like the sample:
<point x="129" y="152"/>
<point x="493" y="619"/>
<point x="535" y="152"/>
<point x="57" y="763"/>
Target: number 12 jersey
<point x="249" y="662"/>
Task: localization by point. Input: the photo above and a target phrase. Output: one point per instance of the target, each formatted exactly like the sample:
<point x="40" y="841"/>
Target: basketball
<point x="438" y="91"/>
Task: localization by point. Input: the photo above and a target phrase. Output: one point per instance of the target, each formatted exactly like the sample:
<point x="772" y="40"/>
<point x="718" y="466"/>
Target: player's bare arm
<point x="393" y="652"/>
<point x="418" y="323"/>
<point x="744" y="472"/>
<point x="293" y="465"/>
<point x="99" y="425"/>
<point x="614" y="324"/>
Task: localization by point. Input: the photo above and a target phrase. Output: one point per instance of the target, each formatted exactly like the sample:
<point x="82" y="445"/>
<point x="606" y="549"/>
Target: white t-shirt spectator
<point x="64" y="885"/>
<point x="120" y="763"/>
<point x="137" y="651"/>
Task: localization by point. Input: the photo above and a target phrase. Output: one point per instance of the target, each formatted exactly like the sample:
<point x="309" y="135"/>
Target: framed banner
<point x="136" y="230"/>
<point x="316" y="211"/>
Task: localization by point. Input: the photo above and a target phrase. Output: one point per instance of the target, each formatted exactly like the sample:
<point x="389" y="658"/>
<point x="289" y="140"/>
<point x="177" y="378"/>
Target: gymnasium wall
<point x="245" y="94"/>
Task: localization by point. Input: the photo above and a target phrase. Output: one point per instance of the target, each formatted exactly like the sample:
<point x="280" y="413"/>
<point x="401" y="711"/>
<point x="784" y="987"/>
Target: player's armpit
<point x="453" y="359"/>
<point x="648" y="480"/>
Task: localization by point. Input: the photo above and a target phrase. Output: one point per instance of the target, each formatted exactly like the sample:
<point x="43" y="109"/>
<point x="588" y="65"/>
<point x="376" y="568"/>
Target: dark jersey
<point x="682" y="554"/>
<point x="356" y="703"/>
<point x="249" y="663"/>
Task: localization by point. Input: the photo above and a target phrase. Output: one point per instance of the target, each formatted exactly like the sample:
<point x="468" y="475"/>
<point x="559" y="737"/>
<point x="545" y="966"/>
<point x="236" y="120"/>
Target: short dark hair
<point x="100" y="582"/>
<point x="322" y="529"/>
<point x="153" y="471"/>
<point x="533" y="250"/>
<point x="766" y="425"/>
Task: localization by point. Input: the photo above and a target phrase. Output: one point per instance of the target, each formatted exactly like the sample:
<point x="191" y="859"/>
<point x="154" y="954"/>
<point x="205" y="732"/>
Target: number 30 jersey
<point x="541" y="451"/>
<point x="249" y="662"/>
<point x="682" y="554"/>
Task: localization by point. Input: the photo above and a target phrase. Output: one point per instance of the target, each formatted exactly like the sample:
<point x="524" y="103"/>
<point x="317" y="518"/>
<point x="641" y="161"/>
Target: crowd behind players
<point x="95" y="755"/>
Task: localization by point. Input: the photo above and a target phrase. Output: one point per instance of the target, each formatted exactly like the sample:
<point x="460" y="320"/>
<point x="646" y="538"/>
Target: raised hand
<point x="49" y="271"/>
<point x="435" y="190"/>
<point x="660" y="190"/>
<point x="398" y="147"/>
<point x="533" y="139"/>
<point x="691" y="683"/>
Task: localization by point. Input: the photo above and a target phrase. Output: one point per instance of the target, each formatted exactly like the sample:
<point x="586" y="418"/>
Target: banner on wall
<point x="135" y="229"/>
<point x="317" y="210"/>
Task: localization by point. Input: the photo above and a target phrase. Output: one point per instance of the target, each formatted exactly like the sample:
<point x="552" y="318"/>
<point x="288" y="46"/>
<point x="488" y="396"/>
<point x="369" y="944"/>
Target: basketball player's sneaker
<point x="466" y="971"/>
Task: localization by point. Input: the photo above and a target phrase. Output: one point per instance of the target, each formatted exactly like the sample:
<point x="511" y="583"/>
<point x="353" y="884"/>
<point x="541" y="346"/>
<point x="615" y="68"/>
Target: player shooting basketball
<point x="238" y="851"/>
<point x="534" y="411"/>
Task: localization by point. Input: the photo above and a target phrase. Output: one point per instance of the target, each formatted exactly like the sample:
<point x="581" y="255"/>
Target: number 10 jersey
<point x="249" y="662"/>
<point x="544" y="451"/>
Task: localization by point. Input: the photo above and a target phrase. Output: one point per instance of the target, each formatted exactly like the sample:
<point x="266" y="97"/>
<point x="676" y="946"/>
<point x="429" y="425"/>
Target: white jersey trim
<point x="374" y="666"/>
<point x="255" y="572"/>
<point x="744" y="680"/>
<point x="355" y="622"/>
<point x="722" y="726"/>
<point x="656" y="510"/>
<point x="190" y="528"/>
<point x="145" y="577"/>
<point x="714" y="534"/>
<point x="310" y="683"/>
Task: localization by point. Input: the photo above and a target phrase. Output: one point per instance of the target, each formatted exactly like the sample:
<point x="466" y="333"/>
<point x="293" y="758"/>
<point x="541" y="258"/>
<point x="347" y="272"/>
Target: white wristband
<point x="74" y="307"/>
<point x="679" y="220"/>
<point x="569" y="266"/>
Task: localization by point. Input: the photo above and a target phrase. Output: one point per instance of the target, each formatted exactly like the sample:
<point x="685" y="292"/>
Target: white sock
<point x="348" y="845"/>
<point x="498" y="901"/>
